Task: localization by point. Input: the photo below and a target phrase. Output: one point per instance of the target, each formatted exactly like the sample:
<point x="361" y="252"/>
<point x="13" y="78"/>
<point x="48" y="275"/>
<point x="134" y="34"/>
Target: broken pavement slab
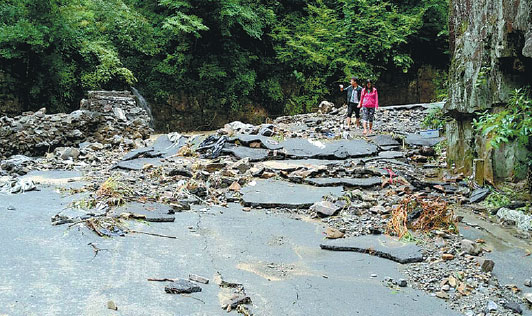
<point x="384" y="141"/>
<point x="275" y="193"/>
<point x="291" y="165"/>
<point x="381" y="246"/>
<point x="267" y="142"/>
<point x="479" y="195"/>
<point x="391" y="154"/>
<point x="347" y="182"/>
<point x="146" y="152"/>
<point x="137" y="164"/>
<point x="149" y="212"/>
<point x="297" y="148"/>
<point x="241" y="152"/>
<point x="168" y="146"/>
<point x="163" y="147"/>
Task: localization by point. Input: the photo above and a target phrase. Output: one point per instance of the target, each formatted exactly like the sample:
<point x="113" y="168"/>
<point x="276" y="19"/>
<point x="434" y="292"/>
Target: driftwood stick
<point x="152" y="234"/>
<point x="161" y="280"/>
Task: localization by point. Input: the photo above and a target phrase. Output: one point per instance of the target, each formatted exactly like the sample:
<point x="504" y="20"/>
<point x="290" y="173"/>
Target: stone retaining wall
<point x="107" y="117"/>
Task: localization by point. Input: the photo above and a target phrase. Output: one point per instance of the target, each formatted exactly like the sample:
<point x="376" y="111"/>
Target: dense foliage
<point x="513" y="123"/>
<point x="216" y="56"/>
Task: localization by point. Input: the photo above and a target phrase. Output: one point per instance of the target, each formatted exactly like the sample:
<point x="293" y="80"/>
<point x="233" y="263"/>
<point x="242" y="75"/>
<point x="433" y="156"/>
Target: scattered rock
<point x="528" y="298"/>
<point x="479" y="195"/>
<point x="326" y="107"/>
<point x="333" y="233"/>
<point x="235" y="187"/>
<point x="267" y="130"/>
<point x="198" y="279"/>
<point x="181" y="286"/>
<point x="471" y="247"/>
<point x="111" y="305"/>
<point x="487" y="265"/>
<point x="513" y="306"/>
<point x="325" y="208"/>
<point x="491" y="307"/>
<point x="522" y="220"/>
<point x="68" y="153"/>
<point x="447" y="256"/>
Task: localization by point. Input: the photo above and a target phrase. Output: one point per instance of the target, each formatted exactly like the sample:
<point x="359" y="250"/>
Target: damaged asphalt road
<point x="277" y="259"/>
<point x="256" y="211"/>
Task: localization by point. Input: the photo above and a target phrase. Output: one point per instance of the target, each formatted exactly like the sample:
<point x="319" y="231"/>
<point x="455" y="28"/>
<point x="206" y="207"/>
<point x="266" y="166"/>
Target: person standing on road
<point x="353" y="97"/>
<point x="369" y="102"/>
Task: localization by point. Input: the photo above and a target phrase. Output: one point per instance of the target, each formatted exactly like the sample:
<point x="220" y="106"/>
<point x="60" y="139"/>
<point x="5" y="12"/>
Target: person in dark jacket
<point x="353" y="98"/>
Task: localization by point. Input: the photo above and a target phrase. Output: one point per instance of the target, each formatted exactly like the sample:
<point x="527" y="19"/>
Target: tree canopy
<point x="223" y="55"/>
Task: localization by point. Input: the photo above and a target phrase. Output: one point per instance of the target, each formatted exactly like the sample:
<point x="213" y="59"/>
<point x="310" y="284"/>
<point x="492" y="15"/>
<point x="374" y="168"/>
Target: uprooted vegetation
<point x="111" y="192"/>
<point x="423" y="214"/>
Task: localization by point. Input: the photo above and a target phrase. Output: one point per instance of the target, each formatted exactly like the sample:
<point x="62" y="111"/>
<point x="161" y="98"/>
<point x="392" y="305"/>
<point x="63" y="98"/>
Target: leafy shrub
<point x="512" y="123"/>
<point x="434" y="119"/>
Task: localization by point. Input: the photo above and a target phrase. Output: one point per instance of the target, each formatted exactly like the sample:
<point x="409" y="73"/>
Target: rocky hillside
<point x="491" y="42"/>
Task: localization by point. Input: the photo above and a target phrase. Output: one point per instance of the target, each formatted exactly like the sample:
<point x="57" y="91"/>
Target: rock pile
<point x="107" y="117"/>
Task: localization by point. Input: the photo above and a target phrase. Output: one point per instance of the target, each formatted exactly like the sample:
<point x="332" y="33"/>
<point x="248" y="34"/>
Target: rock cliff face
<point x="107" y="117"/>
<point x="491" y="43"/>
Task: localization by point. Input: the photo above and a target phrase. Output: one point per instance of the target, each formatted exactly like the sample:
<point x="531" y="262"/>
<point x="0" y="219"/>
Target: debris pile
<point x="107" y="117"/>
<point x="421" y="214"/>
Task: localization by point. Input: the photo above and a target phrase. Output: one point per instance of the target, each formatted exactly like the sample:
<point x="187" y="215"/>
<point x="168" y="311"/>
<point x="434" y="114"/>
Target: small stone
<point x="68" y="153"/>
<point x="11" y="208"/>
<point x="471" y="247"/>
<point x="373" y="275"/>
<point x="528" y="282"/>
<point x="333" y="233"/>
<point x="235" y="187"/>
<point x="111" y="305"/>
<point x="324" y="208"/>
<point x="487" y="265"/>
<point x="148" y="166"/>
<point x="181" y="286"/>
<point x="491" y="307"/>
<point x="242" y="165"/>
<point x="513" y="306"/>
<point x="446" y="287"/>
<point x="447" y="256"/>
<point x="442" y="295"/>
<point x="379" y="209"/>
<point x="528" y="298"/>
<point x="452" y="281"/>
<point x="198" y="279"/>
<point x="402" y="283"/>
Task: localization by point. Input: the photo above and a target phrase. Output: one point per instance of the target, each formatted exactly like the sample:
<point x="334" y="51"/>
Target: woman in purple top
<point x="369" y="101"/>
